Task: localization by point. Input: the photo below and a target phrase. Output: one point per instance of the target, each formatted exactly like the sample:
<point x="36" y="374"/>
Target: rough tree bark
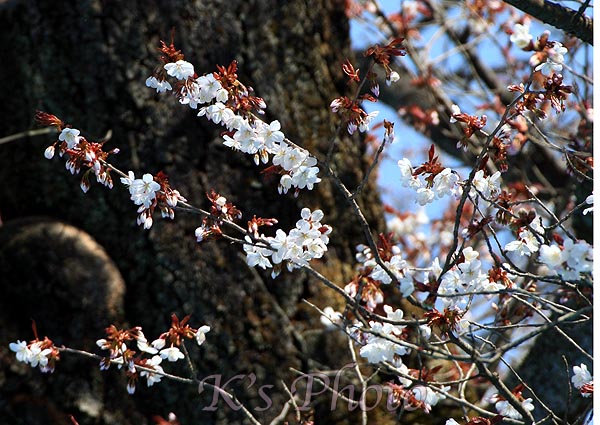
<point x="86" y="62"/>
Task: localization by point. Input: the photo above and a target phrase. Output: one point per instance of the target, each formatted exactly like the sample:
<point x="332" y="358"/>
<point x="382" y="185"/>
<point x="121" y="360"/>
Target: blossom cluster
<point x="221" y="209"/>
<point x="165" y="347"/>
<point x="224" y="100"/>
<point x="148" y="193"/>
<point x="81" y="153"/>
<point x="379" y="345"/>
<point x="307" y="241"/>
<point x="392" y="261"/>
<point x="42" y="354"/>
<point x="438" y="185"/>
<point x="464" y="279"/>
<point x="382" y="342"/>
<point x="569" y="260"/>
<point x="528" y="241"/>
<point x="371" y="275"/>
<point x="472" y="124"/>
<point x="416" y="397"/>
<point x="413" y="395"/>
<point x="486" y="185"/>
<point x="549" y="57"/>
<point x="354" y="115"/>
<point x="506" y="409"/>
<point x="151" y="192"/>
<point x="582" y="380"/>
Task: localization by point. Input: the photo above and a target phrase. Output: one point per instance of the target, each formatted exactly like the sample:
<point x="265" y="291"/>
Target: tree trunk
<point x="86" y="62"/>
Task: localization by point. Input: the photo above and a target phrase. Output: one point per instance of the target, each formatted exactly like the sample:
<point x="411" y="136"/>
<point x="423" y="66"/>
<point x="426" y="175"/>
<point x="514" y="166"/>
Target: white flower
<point x="256" y="256"/>
<point x="23" y="353"/>
<point x="305" y="177"/>
<point x="70" y="136"/>
<point x="379" y="349"/>
<point x="555" y="60"/>
<point x="221" y="95"/>
<point x="153" y="363"/>
<point x="218" y="113"/>
<point x="49" y="154"/>
<point x="451" y="422"/>
<point x="406" y="171"/>
<point x="392" y="78"/>
<point x="487" y="186"/>
<point x="201" y="334"/>
<point x="407" y="287"/>
<point x="364" y="124"/>
<point x="395" y="265"/>
<point x="504" y="408"/>
<point x="520" y="36"/>
<point x="395" y="315"/>
<point x="425" y="196"/>
<point x="557" y="52"/>
<point x="38" y="356"/>
<point x="160" y="86"/>
<point x="293" y="158"/>
<point x="518" y="246"/>
<point x="159" y="343"/>
<point x="271" y="134"/>
<point x="181" y="69"/>
<point x="589" y="200"/>
<point x="142" y="344"/>
<point x="425" y="331"/>
<point x="429" y="396"/>
<point x="577" y="255"/>
<point x="455" y="111"/>
<point x="143" y="191"/>
<point x="403" y="371"/>
<point x="209" y="88"/>
<point x="581" y="376"/>
<point x="172" y="354"/>
<point x="551" y="256"/>
<point x="331" y="317"/>
<point x="549" y="67"/>
<point x="103" y="344"/>
<point x="444" y="182"/>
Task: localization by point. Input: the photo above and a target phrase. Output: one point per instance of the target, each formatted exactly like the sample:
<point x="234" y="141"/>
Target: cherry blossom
<point x="201" y="334"/>
<point x="488" y="186"/>
<point x="581" y="376"/>
<point x="181" y="69"/>
<point x="428" y="396"/>
<point x="143" y="191"/>
<point x="70" y="136"/>
<point x="42" y="354"/>
<point x="153" y="363"/>
<point x="38" y="355"/>
<point x="22" y="351"/>
<point x="49" y="152"/>
<point x="392" y="78"/>
<point x="171" y="354"/>
<point x="379" y="348"/>
<point x="160" y="86"/>
<point x="330" y="317"/>
<point x="521" y="36"/>
<point x="504" y="408"/>
<point x="444" y="183"/>
<point x="590" y="201"/>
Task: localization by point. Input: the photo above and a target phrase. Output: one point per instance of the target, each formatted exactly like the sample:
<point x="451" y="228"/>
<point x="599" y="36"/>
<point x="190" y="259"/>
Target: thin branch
<point x="28" y="133"/>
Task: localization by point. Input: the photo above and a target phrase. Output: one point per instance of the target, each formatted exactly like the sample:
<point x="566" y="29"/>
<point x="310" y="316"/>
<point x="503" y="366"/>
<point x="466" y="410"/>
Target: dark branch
<point x="558" y="16"/>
